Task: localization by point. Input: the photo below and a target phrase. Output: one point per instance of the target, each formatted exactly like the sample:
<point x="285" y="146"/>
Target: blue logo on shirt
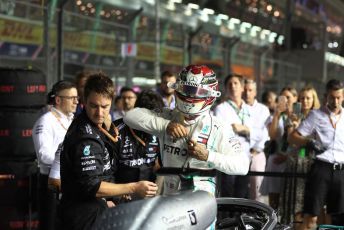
<point x="205" y="129"/>
<point x="87" y="150"/>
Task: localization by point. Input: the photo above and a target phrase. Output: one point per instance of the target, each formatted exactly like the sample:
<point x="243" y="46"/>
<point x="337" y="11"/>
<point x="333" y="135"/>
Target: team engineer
<point x="86" y="172"/>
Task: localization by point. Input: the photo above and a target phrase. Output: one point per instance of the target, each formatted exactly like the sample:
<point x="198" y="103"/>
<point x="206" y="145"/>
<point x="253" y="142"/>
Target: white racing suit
<point x="225" y="152"/>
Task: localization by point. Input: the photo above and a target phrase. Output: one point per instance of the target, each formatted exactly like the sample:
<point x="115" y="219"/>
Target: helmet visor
<point x="196" y="91"/>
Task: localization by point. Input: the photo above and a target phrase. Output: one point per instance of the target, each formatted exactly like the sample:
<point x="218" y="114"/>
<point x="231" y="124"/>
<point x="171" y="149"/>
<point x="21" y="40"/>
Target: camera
<point x="297" y="109"/>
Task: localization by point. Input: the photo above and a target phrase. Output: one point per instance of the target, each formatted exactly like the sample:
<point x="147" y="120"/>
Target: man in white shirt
<point x="259" y="114"/>
<point x="235" y="113"/>
<point x="48" y="132"/>
<point x="322" y="131"/>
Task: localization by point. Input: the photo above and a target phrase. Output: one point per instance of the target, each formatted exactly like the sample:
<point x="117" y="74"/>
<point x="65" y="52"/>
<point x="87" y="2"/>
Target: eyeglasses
<point x="74" y="98"/>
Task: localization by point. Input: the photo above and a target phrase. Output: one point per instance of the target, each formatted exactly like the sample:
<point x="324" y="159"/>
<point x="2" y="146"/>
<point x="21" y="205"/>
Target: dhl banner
<point x="20" y="32"/>
<point x="30" y="33"/>
<point x="168" y="55"/>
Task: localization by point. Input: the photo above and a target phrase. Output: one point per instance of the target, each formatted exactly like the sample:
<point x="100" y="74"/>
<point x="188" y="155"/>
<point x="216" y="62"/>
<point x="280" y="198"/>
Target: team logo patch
<point x="87" y="151"/>
<point x="193" y="79"/>
<point x="204" y="135"/>
<point x="202" y="138"/>
<point x="126" y="142"/>
<point x="205" y="129"/>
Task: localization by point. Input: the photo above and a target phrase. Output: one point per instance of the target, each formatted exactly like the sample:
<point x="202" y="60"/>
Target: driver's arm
<point x="146" y="120"/>
<point x="230" y="158"/>
<point x="226" y="153"/>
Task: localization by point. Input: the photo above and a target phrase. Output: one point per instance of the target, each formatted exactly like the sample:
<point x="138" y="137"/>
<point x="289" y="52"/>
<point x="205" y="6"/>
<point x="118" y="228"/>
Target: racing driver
<point x="189" y="135"/>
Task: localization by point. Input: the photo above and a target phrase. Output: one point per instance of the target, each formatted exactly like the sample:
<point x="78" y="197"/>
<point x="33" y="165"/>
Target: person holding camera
<point x="279" y="126"/>
<point x="298" y="161"/>
<point x="322" y="132"/>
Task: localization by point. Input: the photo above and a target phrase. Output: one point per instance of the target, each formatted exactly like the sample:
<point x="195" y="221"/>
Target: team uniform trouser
<point x="324" y="185"/>
<point x="47" y="204"/>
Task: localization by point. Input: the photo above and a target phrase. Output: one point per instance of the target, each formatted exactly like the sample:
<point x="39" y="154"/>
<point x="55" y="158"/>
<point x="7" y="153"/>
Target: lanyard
<point x="239" y="112"/>
<point x="112" y="138"/>
<point x="334" y="123"/>
<point x="137" y="137"/>
<point x="335" y="120"/>
<point x="57" y="116"/>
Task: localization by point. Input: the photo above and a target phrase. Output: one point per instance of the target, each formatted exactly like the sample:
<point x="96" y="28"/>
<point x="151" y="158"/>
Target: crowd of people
<point x="96" y="150"/>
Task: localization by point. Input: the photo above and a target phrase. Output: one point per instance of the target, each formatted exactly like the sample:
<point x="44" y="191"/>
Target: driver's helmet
<point x="196" y="89"/>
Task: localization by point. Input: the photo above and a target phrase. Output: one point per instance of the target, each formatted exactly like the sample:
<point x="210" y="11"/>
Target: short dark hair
<point x="266" y="95"/>
<point x="334" y="84"/>
<point x="58" y="87"/>
<point x="126" y="89"/>
<point x="166" y="74"/>
<point x="82" y="74"/>
<point x="117" y="98"/>
<point x="150" y="100"/>
<point x="233" y="75"/>
<point x="99" y="83"/>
